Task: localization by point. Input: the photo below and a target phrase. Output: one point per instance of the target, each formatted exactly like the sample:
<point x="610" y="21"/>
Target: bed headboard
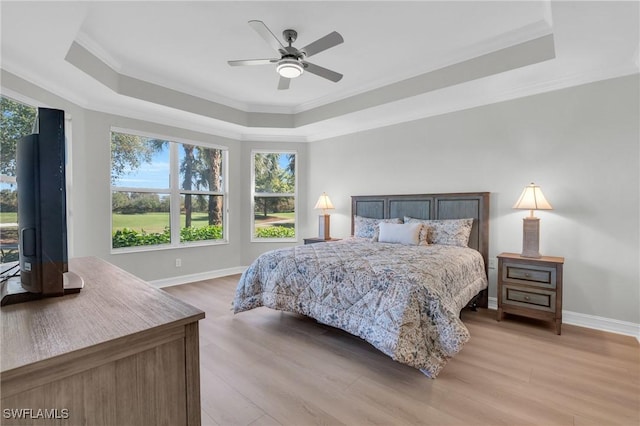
<point x="431" y="206"/>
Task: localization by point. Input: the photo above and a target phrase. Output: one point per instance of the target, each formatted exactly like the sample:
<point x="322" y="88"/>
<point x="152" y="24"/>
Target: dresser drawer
<point x="543" y="300"/>
<point x="542" y="276"/>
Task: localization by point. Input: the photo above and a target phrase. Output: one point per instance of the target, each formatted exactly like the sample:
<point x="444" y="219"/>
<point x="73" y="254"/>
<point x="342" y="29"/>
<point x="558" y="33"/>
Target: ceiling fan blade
<point x="267" y="35"/>
<point x="283" y="84"/>
<point x="252" y="62"/>
<point x="322" y="72"/>
<point x="322" y="44"/>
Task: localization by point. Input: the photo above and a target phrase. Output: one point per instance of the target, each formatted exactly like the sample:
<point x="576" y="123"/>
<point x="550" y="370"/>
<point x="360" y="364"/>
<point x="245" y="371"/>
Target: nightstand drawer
<point x="542" y="276"/>
<point x="543" y="300"/>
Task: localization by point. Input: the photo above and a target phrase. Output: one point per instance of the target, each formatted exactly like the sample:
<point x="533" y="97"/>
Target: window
<point x="274" y="200"/>
<point x="17" y="121"/>
<point x="166" y="193"/>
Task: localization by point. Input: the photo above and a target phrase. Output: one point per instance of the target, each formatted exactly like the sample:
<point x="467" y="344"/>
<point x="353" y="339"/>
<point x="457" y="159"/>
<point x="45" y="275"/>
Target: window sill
<point x="139" y="249"/>
<point x="274" y="240"/>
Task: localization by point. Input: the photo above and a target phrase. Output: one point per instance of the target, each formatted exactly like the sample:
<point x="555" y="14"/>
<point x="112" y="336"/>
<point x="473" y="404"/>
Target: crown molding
<point x="84" y="40"/>
<point x="488" y="98"/>
<point x="41" y="83"/>
<point x="342" y="125"/>
<point x="109" y="60"/>
<point x="517" y="36"/>
<point x="513" y="57"/>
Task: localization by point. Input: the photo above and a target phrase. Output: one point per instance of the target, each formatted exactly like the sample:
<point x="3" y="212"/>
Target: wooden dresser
<point x="120" y="352"/>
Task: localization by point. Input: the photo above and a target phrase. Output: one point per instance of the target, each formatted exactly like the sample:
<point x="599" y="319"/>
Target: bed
<point x="404" y="299"/>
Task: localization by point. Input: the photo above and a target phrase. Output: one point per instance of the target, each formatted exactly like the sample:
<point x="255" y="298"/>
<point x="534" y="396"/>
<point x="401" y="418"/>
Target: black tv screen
<point x="42" y="210"/>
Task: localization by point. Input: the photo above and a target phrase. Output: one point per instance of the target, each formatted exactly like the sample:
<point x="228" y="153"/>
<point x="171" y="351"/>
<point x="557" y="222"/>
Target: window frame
<point x="174" y="192"/>
<point x="255" y="194"/>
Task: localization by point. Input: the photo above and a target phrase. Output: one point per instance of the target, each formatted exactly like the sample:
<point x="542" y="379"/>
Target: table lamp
<point x="324" y="222"/>
<point x="531" y="199"/>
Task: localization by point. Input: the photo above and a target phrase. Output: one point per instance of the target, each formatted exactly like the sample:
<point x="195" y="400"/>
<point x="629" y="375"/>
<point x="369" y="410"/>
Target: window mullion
<point x="145" y="190"/>
<point x="174" y="179"/>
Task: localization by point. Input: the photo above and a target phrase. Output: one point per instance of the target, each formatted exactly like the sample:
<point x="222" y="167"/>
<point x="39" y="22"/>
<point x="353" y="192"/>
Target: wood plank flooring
<point x="265" y="367"/>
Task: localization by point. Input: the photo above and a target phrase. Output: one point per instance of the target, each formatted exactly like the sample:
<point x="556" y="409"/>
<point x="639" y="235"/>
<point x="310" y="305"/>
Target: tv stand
<point x="72" y="282"/>
<point x="12" y="291"/>
<point x="120" y="352"/>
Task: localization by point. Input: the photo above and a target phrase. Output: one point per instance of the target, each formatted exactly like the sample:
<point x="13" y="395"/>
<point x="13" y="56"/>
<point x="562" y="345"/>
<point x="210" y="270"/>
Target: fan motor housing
<point x="290" y="35"/>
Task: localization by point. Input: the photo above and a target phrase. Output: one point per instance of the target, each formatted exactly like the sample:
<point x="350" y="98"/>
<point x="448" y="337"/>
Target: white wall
<point x="580" y="144"/>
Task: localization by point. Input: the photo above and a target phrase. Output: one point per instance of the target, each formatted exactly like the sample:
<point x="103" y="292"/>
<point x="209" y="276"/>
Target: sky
<point x="156" y="175"/>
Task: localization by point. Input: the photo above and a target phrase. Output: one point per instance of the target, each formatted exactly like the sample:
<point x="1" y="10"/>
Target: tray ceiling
<point x="167" y="61"/>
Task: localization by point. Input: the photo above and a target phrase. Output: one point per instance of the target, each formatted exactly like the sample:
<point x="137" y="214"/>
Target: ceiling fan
<point x="292" y="62"/>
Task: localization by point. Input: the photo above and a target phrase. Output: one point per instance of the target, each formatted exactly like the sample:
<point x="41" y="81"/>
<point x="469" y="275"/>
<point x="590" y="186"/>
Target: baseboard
<point x="185" y="279"/>
<point x="592" y="321"/>
<point x="493" y="303"/>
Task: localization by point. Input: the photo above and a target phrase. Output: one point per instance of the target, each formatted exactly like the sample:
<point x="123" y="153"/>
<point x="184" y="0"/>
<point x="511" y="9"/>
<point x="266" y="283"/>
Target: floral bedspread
<point x="404" y="300"/>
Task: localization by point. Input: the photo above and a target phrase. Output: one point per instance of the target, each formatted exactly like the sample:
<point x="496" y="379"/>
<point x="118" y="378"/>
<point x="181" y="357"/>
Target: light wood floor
<point x="265" y="367"/>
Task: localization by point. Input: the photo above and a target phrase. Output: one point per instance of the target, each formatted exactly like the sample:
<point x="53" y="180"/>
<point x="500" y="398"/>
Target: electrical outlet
<point x="493" y="263"/>
<point x="178" y="262"/>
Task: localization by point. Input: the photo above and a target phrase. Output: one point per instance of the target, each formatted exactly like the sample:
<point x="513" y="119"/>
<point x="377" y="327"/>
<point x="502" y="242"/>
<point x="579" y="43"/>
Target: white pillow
<point x="400" y="233"/>
<point x="366" y="227"/>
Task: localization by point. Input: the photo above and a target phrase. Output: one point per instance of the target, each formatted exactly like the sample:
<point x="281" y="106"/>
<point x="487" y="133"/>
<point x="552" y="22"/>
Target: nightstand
<point x="318" y="240"/>
<point x="530" y="287"/>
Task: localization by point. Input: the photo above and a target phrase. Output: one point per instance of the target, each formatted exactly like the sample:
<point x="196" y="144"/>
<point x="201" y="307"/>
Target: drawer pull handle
<point x="527" y="298"/>
<point x="528" y="275"/>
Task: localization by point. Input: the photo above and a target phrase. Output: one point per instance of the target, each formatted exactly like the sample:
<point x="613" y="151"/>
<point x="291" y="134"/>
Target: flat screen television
<point x="42" y="214"/>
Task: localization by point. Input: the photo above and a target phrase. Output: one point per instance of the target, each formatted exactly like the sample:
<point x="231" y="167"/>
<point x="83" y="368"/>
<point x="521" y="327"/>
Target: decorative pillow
<point x="451" y="232"/>
<point x="400" y="233"/>
<point x="367" y="227"/>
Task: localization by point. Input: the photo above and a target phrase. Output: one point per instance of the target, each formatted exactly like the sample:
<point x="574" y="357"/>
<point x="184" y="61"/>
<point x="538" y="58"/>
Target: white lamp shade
<point x="324" y="203"/>
<point x="532" y="198"/>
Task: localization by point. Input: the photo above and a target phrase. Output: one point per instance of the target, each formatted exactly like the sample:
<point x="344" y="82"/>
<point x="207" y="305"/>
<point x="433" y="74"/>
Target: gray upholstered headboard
<point x="431" y="206"/>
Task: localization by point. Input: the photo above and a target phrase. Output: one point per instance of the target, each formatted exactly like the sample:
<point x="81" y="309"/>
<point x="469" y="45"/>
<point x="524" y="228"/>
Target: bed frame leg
<point x="473" y="304"/>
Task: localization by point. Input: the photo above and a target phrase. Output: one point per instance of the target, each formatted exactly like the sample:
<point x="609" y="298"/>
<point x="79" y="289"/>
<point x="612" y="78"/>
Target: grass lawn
<point x="281" y="217"/>
<point x="154" y="222"/>
<point x="8" y="217"/>
<point x="150" y="222"/>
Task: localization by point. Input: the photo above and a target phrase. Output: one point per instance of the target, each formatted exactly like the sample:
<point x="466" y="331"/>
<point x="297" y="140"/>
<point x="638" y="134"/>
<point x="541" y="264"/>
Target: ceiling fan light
<point x="289" y="68"/>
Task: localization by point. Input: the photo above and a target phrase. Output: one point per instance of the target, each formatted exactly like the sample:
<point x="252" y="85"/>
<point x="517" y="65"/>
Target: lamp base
<point x="531" y="237"/>
<point x="324" y="225"/>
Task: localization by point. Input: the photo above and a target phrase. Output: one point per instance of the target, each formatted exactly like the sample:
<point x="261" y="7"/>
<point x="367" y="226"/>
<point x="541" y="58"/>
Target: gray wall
<point x="580" y="144"/>
<point x="89" y="197"/>
<point x="93" y="234"/>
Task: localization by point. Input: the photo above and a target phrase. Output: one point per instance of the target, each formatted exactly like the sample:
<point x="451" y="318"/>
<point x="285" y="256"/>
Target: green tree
<point x="201" y="169"/>
<point x="209" y="171"/>
<point x="270" y="177"/>
<point x="17" y="121"/>
<point x="129" y="152"/>
<point x="8" y="200"/>
<point x="291" y="170"/>
<point x="266" y="172"/>
<point x="120" y="202"/>
<point x="187" y="166"/>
